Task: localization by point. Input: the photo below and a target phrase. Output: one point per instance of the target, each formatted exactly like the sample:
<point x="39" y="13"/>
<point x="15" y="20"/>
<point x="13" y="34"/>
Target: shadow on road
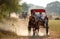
<point x="33" y="37"/>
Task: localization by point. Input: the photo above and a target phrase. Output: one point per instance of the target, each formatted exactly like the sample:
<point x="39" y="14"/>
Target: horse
<point x="31" y="24"/>
<point x="35" y="24"/>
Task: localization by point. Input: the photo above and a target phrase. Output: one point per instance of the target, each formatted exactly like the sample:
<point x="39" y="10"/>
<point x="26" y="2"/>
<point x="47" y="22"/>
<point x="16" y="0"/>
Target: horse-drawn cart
<point x="38" y="18"/>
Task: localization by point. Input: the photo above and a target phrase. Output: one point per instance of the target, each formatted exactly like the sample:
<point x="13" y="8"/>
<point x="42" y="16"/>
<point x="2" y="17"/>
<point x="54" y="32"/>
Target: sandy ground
<point x="20" y="28"/>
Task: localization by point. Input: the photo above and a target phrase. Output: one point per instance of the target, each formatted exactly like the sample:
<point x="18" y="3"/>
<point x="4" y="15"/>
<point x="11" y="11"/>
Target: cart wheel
<point x="46" y="22"/>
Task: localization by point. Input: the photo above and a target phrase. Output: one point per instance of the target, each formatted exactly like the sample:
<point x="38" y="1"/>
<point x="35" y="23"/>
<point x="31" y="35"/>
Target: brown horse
<point x="35" y="24"/>
<point x="31" y="23"/>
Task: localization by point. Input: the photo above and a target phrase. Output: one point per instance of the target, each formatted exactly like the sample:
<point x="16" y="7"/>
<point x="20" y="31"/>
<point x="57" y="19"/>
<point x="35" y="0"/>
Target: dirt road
<point x="20" y="27"/>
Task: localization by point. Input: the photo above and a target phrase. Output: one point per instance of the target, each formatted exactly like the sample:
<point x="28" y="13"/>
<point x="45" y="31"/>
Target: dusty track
<point x="20" y="27"/>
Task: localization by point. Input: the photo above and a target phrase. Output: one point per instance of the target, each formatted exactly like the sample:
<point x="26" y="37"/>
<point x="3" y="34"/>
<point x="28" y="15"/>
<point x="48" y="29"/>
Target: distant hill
<point x="53" y="8"/>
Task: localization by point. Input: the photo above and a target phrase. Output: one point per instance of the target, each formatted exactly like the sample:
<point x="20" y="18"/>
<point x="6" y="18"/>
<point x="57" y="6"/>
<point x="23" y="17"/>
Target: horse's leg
<point x="37" y="30"/>
<point x="29" y="29"/>
<point x="37" y="27"/>
<point x="34" y="31"/>
<point x="43" y="25"/>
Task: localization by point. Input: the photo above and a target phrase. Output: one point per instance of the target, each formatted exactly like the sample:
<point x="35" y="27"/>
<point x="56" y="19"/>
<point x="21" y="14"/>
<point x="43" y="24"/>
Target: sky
<point x="39" y="2"/>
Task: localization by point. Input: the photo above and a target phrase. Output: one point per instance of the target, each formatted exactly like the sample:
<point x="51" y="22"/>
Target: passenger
<point x="43" y="16"/>
<point x="37" y="15"/>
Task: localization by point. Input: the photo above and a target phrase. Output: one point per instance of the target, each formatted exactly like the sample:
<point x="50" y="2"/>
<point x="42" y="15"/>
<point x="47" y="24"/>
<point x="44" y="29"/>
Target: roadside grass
<point x="54" y="25"/>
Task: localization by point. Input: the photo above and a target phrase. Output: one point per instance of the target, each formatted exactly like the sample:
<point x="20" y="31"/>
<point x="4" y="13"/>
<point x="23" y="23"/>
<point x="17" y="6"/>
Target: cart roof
<point x="37" y="10"/>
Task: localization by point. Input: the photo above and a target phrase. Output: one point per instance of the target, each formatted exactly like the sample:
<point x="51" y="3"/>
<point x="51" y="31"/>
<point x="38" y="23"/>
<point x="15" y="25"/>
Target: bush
<point x="57" y="18"/>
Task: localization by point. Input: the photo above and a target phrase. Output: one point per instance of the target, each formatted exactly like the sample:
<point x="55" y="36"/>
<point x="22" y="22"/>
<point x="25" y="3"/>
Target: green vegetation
<point x="25" y="7"/>
<point x="8" y="6"/>
<point x="55" y="25"/>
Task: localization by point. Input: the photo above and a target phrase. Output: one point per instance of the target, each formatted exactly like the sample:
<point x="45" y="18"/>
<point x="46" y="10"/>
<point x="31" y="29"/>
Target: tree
<point x="25" y="7"/>
<point x="7" y="6"/>
<point x="19" y="10"/>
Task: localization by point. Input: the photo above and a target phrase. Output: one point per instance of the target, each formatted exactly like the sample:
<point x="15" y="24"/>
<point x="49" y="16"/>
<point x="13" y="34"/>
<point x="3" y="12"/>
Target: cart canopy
<point x="37" y="10"/>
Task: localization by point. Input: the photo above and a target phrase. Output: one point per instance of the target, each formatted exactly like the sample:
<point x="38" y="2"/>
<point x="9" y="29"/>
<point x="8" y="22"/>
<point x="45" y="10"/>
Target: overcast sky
<point x="39" y="2"/>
